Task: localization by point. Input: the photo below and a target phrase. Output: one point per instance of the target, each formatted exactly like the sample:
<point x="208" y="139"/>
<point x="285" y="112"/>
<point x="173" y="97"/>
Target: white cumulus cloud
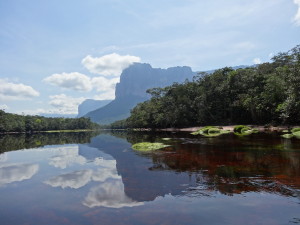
<point x="75" y="81"/>
<point x="103" y="84"/>
<point x="13" y="91"/>
<point x="105" y="87"/>
<point x="80" y="82"/>
<point x="297" y="16"/>
<point x="65" y="104"/>
<point x="109" y="65"/>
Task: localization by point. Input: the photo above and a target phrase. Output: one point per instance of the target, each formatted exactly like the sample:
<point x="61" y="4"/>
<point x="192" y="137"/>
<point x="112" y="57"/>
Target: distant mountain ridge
<point x="131" y="90"/>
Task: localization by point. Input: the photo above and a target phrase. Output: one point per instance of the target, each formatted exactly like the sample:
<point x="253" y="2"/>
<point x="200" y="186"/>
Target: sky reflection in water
<point x="225" y="180"/>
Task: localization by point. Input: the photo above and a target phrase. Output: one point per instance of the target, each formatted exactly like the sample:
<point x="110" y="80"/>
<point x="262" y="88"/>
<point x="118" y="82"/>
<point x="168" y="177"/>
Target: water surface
<point x="86" y="179"/>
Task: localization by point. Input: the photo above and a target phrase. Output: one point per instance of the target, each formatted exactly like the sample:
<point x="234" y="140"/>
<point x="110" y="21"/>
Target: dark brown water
<point x="80" y="179"/>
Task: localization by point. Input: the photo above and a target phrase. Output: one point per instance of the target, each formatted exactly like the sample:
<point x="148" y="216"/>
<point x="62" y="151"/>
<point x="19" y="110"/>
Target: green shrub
<point x="296" y="129"/>
<point x="255" y="130"/>
<point x="210" y="131"/>
<point x="147" y="146"/>
<point x="206" y="129"/>
<point x="245" y="130"/>
<point x="214" y="131"/>
<point x="203" y="130"/>
<point x="238" y="128"/>
<point x="297" y="134"/>
<point x="288" y="136"/>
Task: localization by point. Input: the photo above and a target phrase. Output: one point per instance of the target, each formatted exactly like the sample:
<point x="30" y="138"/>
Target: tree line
<point x="267" y="93"/>
<point x="19" y="123"/>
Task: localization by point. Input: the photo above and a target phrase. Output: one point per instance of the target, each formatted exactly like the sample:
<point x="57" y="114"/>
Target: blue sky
<point x="54" y="54"/>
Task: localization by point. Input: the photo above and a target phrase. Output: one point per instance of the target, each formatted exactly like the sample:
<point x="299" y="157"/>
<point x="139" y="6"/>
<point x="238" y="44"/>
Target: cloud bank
<point x="109" y="65"/>
<point x="13" y="91"/>
<point x="75" y="81"/>
<point x="65" y="104"/>
<point x="80" y="82"/>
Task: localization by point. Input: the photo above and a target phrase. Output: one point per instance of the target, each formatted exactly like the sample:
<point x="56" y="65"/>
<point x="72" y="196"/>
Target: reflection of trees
<point x="24" y="141"/>
<point x="228" y="164"/>
<point x="235" y="171"/>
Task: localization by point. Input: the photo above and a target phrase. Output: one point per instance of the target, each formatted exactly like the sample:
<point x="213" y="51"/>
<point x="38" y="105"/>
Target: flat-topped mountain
<point x="136" y="79"/>
<point x="134" y="82"/>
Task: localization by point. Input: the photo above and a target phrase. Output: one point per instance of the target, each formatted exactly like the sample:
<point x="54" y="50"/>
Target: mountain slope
<point x="89" y="105"/>
<point x="116" y="110"/>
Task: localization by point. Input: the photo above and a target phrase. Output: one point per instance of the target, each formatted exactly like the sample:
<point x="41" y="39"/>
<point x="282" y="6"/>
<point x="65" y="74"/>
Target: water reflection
<point x="26" y="141"/>
<point x="109" y="194"/>
<point x="107" y="186"/>
<point x="3" y="157"/>
<point x="74" y="180"/>
<point x="226" y="180"/>
<point x="17" y="172"/>
<point x="201" y="166"/>
<point x="66" y="156"/>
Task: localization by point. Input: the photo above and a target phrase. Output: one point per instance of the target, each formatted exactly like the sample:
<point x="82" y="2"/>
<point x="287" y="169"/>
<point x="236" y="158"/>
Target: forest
<point x="20" y="123"/>
<point x="264" y="94"/>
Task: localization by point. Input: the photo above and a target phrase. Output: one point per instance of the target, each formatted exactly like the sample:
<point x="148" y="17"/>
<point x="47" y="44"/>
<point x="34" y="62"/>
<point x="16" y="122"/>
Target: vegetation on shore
<point x="295" y="132"/>
<point x="212" y="131"/>
<point x="148" y="146"/>
<point x="18" y="123"/>
<point x="268" y="93"/>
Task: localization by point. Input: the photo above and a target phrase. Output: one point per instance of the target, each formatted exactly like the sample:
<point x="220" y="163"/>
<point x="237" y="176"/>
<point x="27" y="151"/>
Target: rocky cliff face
<point x="136" y="79"/>
<point x="89" y="105"/>
<point x="134" y="82"/>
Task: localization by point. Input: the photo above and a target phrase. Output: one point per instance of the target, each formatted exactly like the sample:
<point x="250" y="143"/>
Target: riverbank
<point x="231" y="127"/>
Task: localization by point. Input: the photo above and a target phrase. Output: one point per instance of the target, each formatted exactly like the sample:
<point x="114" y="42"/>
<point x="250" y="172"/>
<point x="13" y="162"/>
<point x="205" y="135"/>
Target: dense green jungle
<point x="10" y="122"/>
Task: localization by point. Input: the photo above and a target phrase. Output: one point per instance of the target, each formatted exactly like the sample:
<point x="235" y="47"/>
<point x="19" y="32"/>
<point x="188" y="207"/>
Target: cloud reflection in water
<point x="66" y="156"/>
<point x="17" y="172"/>
<point x="109" y="194"/>
<point x="95" y="166"/>
<point x="74" y="180"/>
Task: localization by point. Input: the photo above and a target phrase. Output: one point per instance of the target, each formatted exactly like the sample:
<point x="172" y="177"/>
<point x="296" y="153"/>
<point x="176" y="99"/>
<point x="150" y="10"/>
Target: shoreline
<point x="231" y="127"/>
